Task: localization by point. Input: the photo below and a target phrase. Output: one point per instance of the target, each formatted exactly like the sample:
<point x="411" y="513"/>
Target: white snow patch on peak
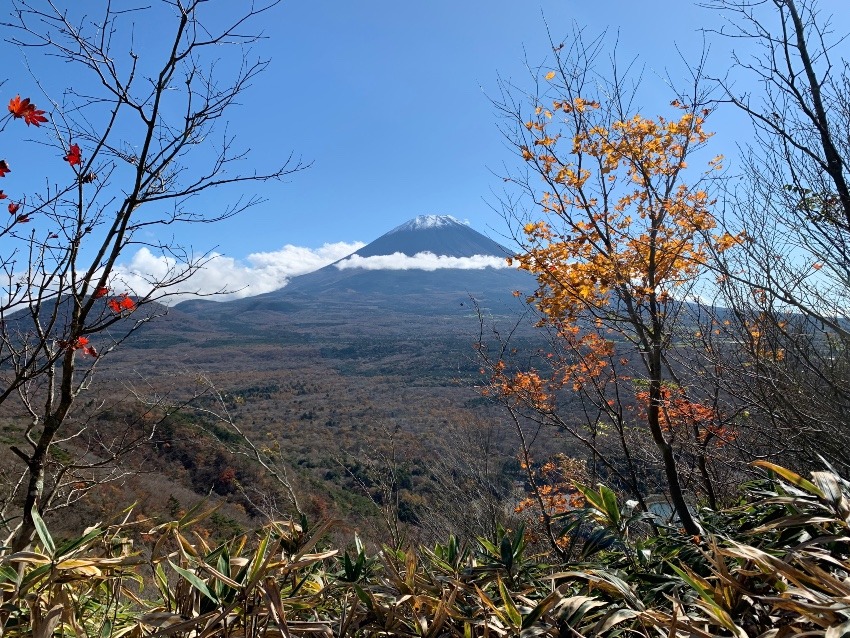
<point x="423" y="222"/>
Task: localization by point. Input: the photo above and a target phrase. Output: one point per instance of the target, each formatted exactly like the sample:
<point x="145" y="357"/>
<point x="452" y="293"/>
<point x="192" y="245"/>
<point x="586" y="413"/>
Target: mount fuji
<point x="430" y="265"/>
<point x="438" y="234"/>
<point x="426" y="258"/>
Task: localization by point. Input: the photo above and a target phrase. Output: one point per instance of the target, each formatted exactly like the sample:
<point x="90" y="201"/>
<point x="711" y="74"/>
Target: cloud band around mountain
<point x="422" y="261"/>
<point x="258" y="273"/>
<point x="228" y="278"/>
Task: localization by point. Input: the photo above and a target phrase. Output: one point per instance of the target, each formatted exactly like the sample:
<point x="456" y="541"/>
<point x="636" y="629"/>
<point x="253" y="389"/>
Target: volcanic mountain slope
<point x="433" y="233"/>
<point x="414" y="301"/>
<point x="385" y="318"/>
<point x="430" y="266"/>
<point x="433" y="260"/>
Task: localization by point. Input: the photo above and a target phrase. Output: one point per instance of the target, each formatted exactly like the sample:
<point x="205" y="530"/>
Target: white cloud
<point x="258" y="273"/>
<point x="422" y="261"/>
<point x="264" y="272"/>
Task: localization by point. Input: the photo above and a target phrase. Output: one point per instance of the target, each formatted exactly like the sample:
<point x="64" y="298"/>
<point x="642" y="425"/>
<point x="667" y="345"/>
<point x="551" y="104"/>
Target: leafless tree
<point x="473" y="494"/>
<point x="787" y="287"/>
<point x="138" y="129"/>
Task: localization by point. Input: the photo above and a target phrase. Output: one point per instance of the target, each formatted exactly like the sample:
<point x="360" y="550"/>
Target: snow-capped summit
<point x="438" y="234"/>
<point x="422" y="222"/>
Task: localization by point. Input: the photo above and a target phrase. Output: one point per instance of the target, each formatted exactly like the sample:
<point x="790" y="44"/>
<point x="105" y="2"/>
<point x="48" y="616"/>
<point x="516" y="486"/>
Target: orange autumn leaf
<point x="554" y="490"/>
<point x="18" y="107"/>
<point x="79" y="342"/>
<point x="645" y="238"/>
<point x="25" y="109"/>
<point x="99" y="292"/>
<point x="681" y="414"/>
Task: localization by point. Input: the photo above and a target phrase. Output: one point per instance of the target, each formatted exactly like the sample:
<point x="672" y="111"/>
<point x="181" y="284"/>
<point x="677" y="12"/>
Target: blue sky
<point x="390" y="103"/>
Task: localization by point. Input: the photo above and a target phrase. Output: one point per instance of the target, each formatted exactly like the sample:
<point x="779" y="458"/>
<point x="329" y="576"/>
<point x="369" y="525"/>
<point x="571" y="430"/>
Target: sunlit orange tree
<point x="622" y="230"/>
<point x="124" y="152"/>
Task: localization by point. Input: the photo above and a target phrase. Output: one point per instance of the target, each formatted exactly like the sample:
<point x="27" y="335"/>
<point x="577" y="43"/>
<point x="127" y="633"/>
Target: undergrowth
<point x="775" y="565"/>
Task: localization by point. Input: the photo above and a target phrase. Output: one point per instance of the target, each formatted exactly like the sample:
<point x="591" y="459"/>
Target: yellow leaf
<point x="550" y="75"/>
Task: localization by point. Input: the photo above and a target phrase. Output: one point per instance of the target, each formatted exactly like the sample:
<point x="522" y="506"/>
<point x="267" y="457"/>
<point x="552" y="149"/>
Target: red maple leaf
<point x="99" y="292"/>
<point x="121" y="303"/>
<point x="73" y="157"/>
<point x="25" y="109"/>
<point x="80" y="343"/>
<point x="35" y="118"/>
<point x="13" y="208"/>
<point x="23" y="219"/>
<point x="4" y="168"/>
<point x="3" y="195"/>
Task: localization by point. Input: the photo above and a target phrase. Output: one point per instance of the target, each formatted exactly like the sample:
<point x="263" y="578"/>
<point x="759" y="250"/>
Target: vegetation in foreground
<point x="773" y="565"/>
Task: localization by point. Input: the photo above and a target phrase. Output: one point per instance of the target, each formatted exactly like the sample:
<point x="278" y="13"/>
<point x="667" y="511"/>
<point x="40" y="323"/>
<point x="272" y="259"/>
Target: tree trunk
<point x="653" y="412"/>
